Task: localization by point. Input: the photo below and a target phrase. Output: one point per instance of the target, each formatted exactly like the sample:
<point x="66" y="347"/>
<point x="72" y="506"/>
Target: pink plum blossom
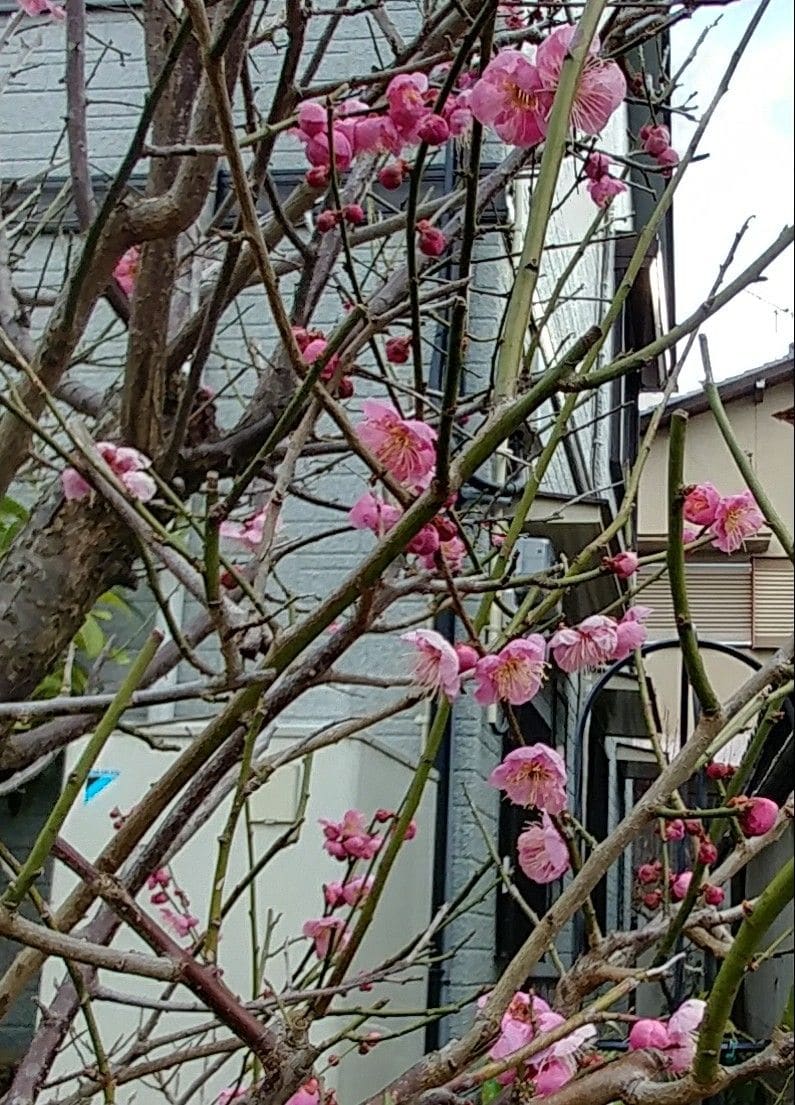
<point x="758" y="817"/>
<point x="736" y="517"/>
<point x="648" y="1032"/>
<point x="597" y="165"/>
<point x="533" y="775"/>
<point x="42" y="7"/>
<point x="248" y="533"/>
<point x="542" y="851"/>
<point x="452" y="552"/>
<point x="655" y="139"/>
<point x="308" y="1094"/>
<point x="674" y="829"/>
<point x="127" y="465"/>
<point x="425" y="543"/>
<point x="404" y="446"/>
<point x="680" y="884"/>
<point x="713" y="895"/>
<point x="682" y="1028"/>
<point x="605" y="190"/>
<point x="407" y="104"/>
<point x="127" y="267"/>
<point x="631" y="633"/>
<point x="514" y="674"/>
<point x="436" y="666"/>
<point x="350" y="838"/>
<point x="229" y="1095"/>
<point x="377" y="134"/>
<point x="431" y="239"/>
<point x="511" y="98"/>
<point x="552" y="1076"/>
<point x="701" y="504"/>
<point x="369" y="512"/>
<point x="351" y="893"/>
<point x="181" y="923"/>
<point x="586" y="645"/>
<point x="624" y="564"/>
<point x="327" y="933"/>
<point x="602" y="86"/>
<point x="467" y="657"/>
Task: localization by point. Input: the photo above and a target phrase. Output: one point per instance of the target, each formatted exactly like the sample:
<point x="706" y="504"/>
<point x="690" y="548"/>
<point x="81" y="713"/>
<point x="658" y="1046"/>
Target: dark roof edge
<point x="735" y="387"/>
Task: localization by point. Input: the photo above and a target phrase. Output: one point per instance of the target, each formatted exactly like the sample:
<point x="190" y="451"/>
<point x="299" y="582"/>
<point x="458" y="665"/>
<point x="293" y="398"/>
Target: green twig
<point x="37" y="856"/>
<point x="691" y="655"/>
<point x="768" y="906"/>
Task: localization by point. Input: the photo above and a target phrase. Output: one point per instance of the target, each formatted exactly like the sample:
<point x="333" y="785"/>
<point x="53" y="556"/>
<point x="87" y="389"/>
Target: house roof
<point x="749" y="383"/>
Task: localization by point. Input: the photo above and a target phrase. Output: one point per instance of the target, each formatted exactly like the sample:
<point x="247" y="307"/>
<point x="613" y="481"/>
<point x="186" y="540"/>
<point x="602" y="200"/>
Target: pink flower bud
<point x="432" y="241"/>
<point x="398" y="350"/>
<point x="318" y="176"/>
<point x="649" y="873"/>
<point x="707" y="853"/>
<point x="467" y="657"/>
<point x="345" y="388"/>
<point x="411" y="831"/>
<point x="680" y="884"/>
<point x="327" y="220"/>
<point x="624" y="564"/>
<point x="648" y="1033"/>
<point x="158" y="898"/>
<point x="717" y="771"/>
<point x="758" y="816"/>
<point x="434" y="130"/>
<point x="668" y="160"/>
<point x="713" y="895"/>
<point x="673" y="830"/>
<point x="652" y="899"/>
<point x="693" y="827"/>
<point x="354" y="214"/>
<point x="391" y="176"/>
<point x="382" y="816"/>
<point x="597" y="165"/>
<point x="445" y="527"/>
<point x="655" y="139"/>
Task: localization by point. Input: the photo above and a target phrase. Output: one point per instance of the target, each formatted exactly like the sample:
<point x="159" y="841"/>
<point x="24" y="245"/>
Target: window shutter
<point x="720" y="602"/>
<point x="772" y="601"/>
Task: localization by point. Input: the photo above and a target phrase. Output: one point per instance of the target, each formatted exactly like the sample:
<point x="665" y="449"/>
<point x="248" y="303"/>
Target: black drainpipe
<point x="444" y="623"/>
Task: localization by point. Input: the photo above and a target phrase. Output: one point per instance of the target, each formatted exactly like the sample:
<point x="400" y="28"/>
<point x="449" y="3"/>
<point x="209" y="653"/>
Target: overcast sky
<point x="749" y="172"/>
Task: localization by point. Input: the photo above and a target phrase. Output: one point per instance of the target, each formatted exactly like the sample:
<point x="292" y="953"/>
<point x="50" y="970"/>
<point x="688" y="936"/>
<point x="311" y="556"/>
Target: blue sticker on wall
<point x="96" y="782"/>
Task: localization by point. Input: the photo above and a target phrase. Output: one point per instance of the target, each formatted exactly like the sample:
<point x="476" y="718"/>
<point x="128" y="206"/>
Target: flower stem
<point x="768" y="906"/>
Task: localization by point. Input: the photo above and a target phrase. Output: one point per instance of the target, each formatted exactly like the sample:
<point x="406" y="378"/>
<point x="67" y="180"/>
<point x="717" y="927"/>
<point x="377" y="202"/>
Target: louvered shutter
<point x="720" y="602"/>
<point x="772" y="601"/>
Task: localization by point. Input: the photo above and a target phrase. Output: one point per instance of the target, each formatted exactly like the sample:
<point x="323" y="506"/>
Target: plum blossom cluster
<point x="650" y="881"/>
<point x="729" y="519"/>
<point x="172" y="901"/>
<point x="42" y="7"/>
<point x="313" y="344"/>
<point x="128" y="465"/>
<point x="126" y="270"/>
<point x="657" y="144"/>
<point x="515" y="94"/>
<point x="345" y="131"/>
<point x="535" y="777"/>
<point x="603" y="187"/>
<point x="308" y="1094"/>
<point x="599" y="640"/>
<point x="348" y="840"/>
<point x="516" y="672"/>
<point x="676" y="1037"/>
<point x="526" y="1018"/>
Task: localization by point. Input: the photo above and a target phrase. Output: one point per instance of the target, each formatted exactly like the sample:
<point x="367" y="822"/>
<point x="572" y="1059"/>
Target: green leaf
<point x="489" y="1091"/>
<point x="90" y="639"/>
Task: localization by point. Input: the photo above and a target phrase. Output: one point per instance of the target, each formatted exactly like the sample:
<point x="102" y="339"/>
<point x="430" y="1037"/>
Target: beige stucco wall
<point x="768" y="442"/>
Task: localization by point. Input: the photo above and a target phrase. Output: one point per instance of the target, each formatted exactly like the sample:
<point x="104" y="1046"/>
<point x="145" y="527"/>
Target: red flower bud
<point x="713" y="895"/>
<point x="707" y="853"/>
<point x="318" y="176"/>
<point x="391" y="176"/>
<point x="717" y="771"/>
<point x="432" y="241"/>
<point x="354" y="214"/>
<point x="652" y="899"/>
<point x="434" y="130"/>
<point x="398" y="350"/>
<point x="693" y="827"/>
<point x="327" y="220"/>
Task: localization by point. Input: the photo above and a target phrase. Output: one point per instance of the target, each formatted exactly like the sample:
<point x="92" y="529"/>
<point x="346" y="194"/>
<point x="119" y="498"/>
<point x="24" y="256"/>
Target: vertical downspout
<point x="444" y="623"/>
